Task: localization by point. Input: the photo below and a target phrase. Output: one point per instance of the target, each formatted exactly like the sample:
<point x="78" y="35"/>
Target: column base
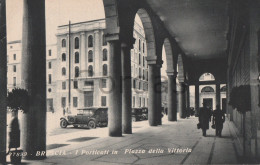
<point x="115" y="134"/>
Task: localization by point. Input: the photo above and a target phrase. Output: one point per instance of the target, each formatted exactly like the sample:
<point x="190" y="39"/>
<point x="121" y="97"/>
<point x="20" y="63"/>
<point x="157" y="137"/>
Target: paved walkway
<point x="171" y="143"/>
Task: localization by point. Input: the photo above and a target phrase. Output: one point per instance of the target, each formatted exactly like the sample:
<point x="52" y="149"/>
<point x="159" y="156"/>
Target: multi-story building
<point x="14" y="51"/>
<point x="87" y="68"/>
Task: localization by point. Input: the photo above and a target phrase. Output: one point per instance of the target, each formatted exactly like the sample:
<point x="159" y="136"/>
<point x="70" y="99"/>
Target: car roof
<point x="92" y="108"/>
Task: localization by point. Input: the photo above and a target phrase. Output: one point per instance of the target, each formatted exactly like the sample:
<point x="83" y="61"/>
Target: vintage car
<point x="90" y="117"/>
<point x="144" y="113"/>
<point x="137" y="114"/>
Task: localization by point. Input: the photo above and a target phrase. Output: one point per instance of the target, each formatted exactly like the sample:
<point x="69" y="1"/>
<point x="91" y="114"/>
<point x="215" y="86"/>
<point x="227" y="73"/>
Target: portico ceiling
<point x="199" y="26"/>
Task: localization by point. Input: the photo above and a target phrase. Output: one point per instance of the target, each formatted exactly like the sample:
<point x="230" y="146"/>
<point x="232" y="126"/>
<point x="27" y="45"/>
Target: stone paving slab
<point x="164" y="144"/>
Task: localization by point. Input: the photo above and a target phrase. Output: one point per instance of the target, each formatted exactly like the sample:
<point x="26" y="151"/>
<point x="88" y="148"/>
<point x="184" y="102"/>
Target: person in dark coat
<point x="204" y="119"/>
<point x="218" y="120"/>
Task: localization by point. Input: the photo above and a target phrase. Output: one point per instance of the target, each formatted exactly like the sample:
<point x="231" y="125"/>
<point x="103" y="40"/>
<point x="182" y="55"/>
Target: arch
<point x="90" y="71"/>
<point x="63" y="43"/>
<point x="90" y="56"/>
<point x="180" y="69"/>
<point x="207" y="77"/>
<point x="90" y="41"/>
<point x="223" y="89"/>
<point x="76" y="58"/>
<point x="76" y="71"/>
<point x="105" y="70"/>
<point x="207" y="89"/>
<point x="169" y="55"/>
<point x="104" y="54"/>
<point x="63" y="71"/>
<point x="63" y="57"/>
<point x="148" y="30"/>
<point x="76" y="46"/>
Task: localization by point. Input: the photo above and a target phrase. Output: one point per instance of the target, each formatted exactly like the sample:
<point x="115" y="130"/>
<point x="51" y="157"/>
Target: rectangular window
<point x="14" y="68"/>
<point x="75" y="84"/>
<point x="88" y="83"/>
<point x="140" y="101"/>
<point x="50" y="105"/>
<point x="63" y="85"/>
<point x="63" y="102"/>
<point x="104" y="83"/>
<point x="133" y="101"/>
<point x="14" y="56"/>
<point x="75" y="102"/>
<point x="88" y="98"/>
<point x="49" y="52"/>
<point x="14" y="81"/>
<point x="103" y="101"/>
<point x="49" y="65"/>
<point x="49" y="80"/>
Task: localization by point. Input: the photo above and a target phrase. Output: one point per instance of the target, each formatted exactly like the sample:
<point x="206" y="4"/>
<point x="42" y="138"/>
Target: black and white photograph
<point x="116" y="82"/>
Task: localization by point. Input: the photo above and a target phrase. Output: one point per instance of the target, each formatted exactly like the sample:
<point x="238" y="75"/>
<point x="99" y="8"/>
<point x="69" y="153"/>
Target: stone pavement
<point x="171" y="143"/>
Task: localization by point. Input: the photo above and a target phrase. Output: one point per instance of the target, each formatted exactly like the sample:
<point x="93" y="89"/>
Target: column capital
<point x="112" y="37"/>
<point x="153" y="60"/>
<point x="172" y="73"/>
<point x="128" y="43"/>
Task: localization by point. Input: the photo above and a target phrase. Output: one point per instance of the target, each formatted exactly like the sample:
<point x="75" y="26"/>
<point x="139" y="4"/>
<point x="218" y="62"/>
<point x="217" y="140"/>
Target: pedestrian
<point x="218" y="120"/>
<point x="204" y="119"/>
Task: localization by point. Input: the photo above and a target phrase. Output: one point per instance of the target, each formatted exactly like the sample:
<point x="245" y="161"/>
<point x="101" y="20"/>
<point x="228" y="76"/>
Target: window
<point x="140" y="73"/>
<point x="140" y="85"/>
<point x="63" y="102"/>
<point x="104" y="83"/>
<point x="76" y="57"/>
<point x="63" y="71"/>
<point x="88" y="83"/>
<point x="139" y="45"/>
<point x="75" y="102"/>
<point x="14" y="68"/>
<point x="63" y="57"/>
<point x="133" y="101"/>
<point x="143" y="75"/>
<point x="50" y="105"/>
<point x="104" y="40"/>
<point x="105" y="70"/>
<point x="14" y="56"/>
<point x="76" y="71"/>
<point x="14" y="81"/>
<point x="63" y="43"/>
<point x="75" y="84"/>
<point x="140" y="101"/>
<point x="143" y="47"/>
<point x="143" y="61"/>
<point x="90" y="56"/>
<point x="90" y="71"/>
<point x="49" y="78"/>
<point x="139" y="59"/>
<point x="49" y="52"/>
<point x="90" y="41"/>
<point x="105" y="55"/>
<point x="134" y="84"/>
<point x="76" y="43"/>
<point x="88" y="98"/>
<point x="49" y="64"/>
<point x="64" y="85"/>
<point x="103" y="101"/>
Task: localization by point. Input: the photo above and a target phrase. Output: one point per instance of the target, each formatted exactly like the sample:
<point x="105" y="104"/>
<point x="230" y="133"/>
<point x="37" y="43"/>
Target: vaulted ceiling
<point x="199" y="26"/>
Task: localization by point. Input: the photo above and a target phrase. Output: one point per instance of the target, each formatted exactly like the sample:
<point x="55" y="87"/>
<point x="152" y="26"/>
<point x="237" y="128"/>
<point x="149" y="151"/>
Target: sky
<point x="58" y="12"/>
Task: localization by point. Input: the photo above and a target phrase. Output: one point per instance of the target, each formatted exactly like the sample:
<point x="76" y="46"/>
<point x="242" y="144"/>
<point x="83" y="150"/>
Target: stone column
<point x="181" y="100"/>
<point x="114" y="82"/>
<point x="96" y="50"/>
<point x="151" y="61"/>
<point x="126" y="87"/>
<point x="172" y="97"/>
<point x="187" y="97"/>
<point x="217" y="95"/>
<point x="33" y="73"/>
<point x="3" y="82"/>
<point x="83" y="60"/>
<point x="197" y="99"/>
<point x="158" y="88"/>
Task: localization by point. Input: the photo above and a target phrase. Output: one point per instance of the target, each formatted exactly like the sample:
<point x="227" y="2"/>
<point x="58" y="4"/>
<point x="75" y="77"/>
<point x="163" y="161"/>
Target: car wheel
<point x="133" y="119"/>
<point x="91" y="124"/>
<point x="63" y="123"/>
<point x="75" y="126"/>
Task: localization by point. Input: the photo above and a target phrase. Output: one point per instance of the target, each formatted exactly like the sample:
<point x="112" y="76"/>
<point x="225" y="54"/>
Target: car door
<point x="85" y="117"/>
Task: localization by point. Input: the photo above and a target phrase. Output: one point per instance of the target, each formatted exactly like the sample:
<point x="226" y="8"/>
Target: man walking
<point x="218" y="120"/>
<point x="204" y="118"/>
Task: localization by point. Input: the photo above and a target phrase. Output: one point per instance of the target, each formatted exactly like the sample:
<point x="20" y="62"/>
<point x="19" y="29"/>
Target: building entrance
<point x="208" y="102"/>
